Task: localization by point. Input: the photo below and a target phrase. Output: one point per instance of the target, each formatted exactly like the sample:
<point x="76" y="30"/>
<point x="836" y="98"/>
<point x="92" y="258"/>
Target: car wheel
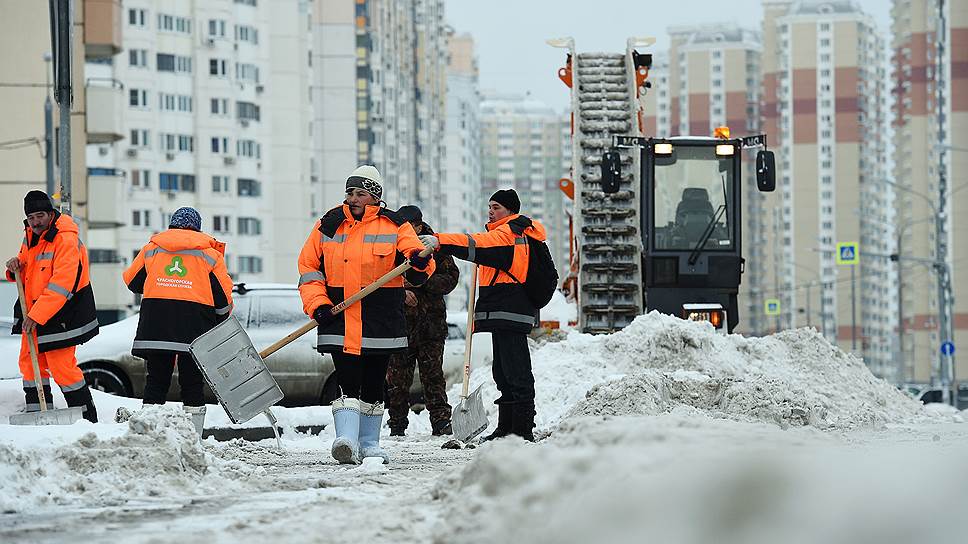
<point x="108" y="380"/>
<point x="330" y="391"/>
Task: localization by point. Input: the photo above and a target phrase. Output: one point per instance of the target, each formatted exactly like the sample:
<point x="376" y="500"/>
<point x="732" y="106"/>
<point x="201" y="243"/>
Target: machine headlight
<point x="725" y="149"/>
<point x="663" y="149"/>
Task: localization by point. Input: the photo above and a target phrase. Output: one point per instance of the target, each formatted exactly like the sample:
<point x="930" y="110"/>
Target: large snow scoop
<point x="237" y="373"/>
<point x="469" y="418"/>
<point x="46" y="416"/>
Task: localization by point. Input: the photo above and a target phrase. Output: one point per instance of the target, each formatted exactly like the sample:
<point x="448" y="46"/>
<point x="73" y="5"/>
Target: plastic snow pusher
<point x="469" y="418"/>
<point x="46" y="416"/>
<point x="237" y="373"/>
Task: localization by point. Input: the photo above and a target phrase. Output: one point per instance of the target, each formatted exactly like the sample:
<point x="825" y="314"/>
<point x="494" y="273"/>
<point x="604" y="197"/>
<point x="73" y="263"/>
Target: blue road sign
<point x="847" y="253"/>
<point x="947" y="348"/>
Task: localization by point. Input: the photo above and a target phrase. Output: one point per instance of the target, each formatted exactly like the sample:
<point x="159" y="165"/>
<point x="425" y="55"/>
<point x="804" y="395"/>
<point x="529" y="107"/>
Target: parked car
<point x="934" y="395"/>
<point x="268" y="312"/>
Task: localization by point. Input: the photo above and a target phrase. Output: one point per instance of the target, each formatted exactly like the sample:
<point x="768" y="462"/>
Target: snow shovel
<point x="237" y="373"/>
<point x="469" y="418"/>
<point x="46" y="416"/>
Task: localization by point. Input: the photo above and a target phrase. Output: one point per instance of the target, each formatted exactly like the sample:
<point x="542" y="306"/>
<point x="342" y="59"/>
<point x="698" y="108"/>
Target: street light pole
<point x="945" y="332"/>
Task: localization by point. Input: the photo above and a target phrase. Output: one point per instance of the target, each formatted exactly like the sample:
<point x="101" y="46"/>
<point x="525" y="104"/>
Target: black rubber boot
<point x="442" y="428"/>
<point x="32" y="400"/>
<point x="82" y="398"/>
<point x="503" y="423"/>
<point x="522" y="420"/>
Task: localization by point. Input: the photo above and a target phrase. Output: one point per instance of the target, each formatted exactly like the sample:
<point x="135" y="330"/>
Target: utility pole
<point x="853" y="309"/>
<point x="62" y="41"/>
<point x="900" y="308"/>
<point x="945" y="298"/>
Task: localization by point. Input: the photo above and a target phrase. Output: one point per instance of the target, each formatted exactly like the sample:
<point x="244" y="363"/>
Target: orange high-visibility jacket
<point x="57" y="284"/>
<point x="503" y="254"/>
<point x="186" y="286"/>
<point x="341" y="257"/>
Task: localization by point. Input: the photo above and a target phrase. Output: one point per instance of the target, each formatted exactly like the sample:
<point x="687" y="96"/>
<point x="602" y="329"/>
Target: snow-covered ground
<point x="664" y="432"/>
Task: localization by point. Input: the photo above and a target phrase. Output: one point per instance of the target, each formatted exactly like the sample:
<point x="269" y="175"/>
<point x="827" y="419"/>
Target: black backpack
<point x="542" y="279"/>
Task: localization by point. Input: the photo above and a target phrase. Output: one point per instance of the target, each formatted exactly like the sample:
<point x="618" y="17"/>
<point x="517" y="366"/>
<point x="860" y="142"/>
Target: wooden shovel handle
<point x="38" y="381"/>
<point x="469" y="334"/>
<point x="400" y="269"/>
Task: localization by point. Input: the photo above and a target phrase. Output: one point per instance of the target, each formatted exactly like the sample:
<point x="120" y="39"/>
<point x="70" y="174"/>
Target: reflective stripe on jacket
<point x="502" y="253"/>
<point x="57" y="284"/>
<point x="342" y="256"/>
<point x="186" y="286"/>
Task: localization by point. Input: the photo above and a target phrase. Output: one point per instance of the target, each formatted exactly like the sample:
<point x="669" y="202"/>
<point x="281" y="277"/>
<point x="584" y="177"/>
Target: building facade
<point x="824" y="98"/>
<point x="923" y="130"/>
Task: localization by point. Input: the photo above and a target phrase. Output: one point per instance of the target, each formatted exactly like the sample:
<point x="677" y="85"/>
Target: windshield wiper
<point x="706" y="234"/>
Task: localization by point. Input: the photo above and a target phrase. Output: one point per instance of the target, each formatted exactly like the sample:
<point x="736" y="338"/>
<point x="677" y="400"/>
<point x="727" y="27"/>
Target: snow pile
<point x="560" y="310"/>
<point x="159" y="455"/>
<point x="685" y="477"/>
<point x="793" y="378"/>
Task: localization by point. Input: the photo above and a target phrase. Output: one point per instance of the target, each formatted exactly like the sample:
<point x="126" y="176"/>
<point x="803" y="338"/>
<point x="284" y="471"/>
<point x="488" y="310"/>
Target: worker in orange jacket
<point x="503" y="307"/>
<point x="186" y="291"/>
<point x="350" y="247"/>
<point x="60" y="304"/>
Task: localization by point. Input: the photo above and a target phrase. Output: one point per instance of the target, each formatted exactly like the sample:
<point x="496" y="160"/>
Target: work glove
<point x="429" y="240"/>
<point x="420" y="261"/>
<point x="323" y="315"/>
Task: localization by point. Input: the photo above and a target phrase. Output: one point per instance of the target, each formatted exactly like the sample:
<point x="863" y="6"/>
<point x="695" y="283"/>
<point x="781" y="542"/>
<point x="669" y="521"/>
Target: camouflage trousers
<point x="429" y="358"/>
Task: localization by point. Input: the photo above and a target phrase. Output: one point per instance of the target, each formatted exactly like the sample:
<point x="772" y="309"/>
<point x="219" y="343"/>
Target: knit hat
<point x="507" y="198"/>
<point x="368" y="178"/>
<point x="186" y="218"/>
<point x="37" y="201"/>
<point x="410" y="214"/>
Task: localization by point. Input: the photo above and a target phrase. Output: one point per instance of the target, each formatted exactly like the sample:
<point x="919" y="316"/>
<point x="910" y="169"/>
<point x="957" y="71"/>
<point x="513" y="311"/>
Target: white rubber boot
<point x="346" y="418"/>
<point x="371" y="419"/>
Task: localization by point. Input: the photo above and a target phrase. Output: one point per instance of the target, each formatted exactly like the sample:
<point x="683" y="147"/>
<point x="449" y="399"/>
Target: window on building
<point x="140" y="178"/>
<point x="220" y="223"/>
<point x="139" y="137"/>
<point x="141" y="218"/>
<point x="249" y="187"/>
<point x="185" y="103"/>
<point x="825" y="42"/>
<point x="220" y="184"/>
<point x="138" y="98"/>
<point x="246" y="2"/>
<point x="183" y="25"/>
<point x="183" y="64"/>
<point x="165" y="62"/>
<point x="249" y="148"/>
<point x="166" y="102"/>
<point x="217" y="67"/>
<point x="137" y="17"/>
<point x="220" y="144"/>
<point x="248" y="111"/>
<point x="250" y="265"/>
<point x="824" y="27"/>
<point x="250" y="226"/>
<point x="220" y="106"/>
<point x="246" y="33"/>
<point x="138" y="58"/>
<point x="186" y="142"/>
<point x="245" y="71"/>
<point x="216" y="28"/>
<point x="166" y="22"/>
<point x="176" y="182"/>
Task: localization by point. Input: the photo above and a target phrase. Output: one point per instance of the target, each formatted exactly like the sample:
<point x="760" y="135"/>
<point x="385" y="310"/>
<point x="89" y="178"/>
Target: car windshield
<point x="280" y="309"/>
<point x="690" y="196"/>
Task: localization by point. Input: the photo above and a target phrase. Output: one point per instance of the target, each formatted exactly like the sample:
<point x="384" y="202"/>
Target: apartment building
<point x="710" y="77"/>
<point x="25" y="40"/>
<point x="824" y="91"/>
<point x="379" y="97"/>
<point x="521" y="149"/>
<point x="922" y="131"/>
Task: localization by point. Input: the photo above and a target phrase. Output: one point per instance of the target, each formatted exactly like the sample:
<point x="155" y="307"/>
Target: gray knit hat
<point x="186" y="218"/>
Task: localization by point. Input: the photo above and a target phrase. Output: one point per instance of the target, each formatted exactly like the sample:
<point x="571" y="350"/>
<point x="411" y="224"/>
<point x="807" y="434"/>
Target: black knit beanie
<point x="507" y="198"/>
<point x="411" y="214"/>
<point x="37" y="201"/>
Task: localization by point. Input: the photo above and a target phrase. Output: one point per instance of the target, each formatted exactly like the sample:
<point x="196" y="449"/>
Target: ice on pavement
<point x="159" y="455"/>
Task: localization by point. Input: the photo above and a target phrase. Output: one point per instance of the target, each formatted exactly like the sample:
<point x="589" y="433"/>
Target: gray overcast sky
<point x="510" y="34"/>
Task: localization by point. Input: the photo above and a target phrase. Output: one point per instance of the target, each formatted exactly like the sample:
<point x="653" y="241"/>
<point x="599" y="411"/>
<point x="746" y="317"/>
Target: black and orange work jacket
<point x="502" y="253"/>
<point x="186" y="290"/>
<point x="342" y="256"/>
<point x="56" y="275"/>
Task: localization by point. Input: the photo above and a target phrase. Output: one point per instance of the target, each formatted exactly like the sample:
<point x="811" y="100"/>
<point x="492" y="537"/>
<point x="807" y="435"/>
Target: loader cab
<point x="691" y="225"/>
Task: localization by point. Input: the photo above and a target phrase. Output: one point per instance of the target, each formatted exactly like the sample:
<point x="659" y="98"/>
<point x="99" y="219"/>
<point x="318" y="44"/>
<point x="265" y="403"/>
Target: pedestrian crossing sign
<point x="848" y="253"/>
<point x="771" y="306"/>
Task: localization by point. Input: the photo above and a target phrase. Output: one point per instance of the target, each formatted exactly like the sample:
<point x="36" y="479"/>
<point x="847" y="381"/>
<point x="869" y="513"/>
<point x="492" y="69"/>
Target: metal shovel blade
<point x="59" y="416"/>
<point x="469" y="418"/>
<point x="235" y="371"/>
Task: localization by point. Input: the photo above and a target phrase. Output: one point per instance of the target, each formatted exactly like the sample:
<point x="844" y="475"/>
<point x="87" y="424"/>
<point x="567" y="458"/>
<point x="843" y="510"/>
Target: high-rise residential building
<point x="379" y="97"/>
<point x="824" y="98"/>
<point x="460" y="208"/>
<point x="710" y="77"/>
<point x="922" y="130"/>
<point x="95" y="120"/>
<point x="203" y="86"/>
<point x="521" y="149"/>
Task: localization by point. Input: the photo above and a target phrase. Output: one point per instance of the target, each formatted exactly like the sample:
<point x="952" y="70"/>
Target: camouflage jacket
<point x="427" y="321"/>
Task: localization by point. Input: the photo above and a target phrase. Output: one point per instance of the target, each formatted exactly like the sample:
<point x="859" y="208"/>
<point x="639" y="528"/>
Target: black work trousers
<point x="160" y="366"/>
<point x="361" y="376"/>
<point x="512" y="367"/>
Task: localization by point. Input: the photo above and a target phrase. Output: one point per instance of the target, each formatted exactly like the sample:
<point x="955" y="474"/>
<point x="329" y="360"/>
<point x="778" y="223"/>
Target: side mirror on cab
<point x="611" y="171"/>
<point x="765" y="171"/>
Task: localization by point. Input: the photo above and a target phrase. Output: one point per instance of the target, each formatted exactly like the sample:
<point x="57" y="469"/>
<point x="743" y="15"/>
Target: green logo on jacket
<point x="176" y="268"/>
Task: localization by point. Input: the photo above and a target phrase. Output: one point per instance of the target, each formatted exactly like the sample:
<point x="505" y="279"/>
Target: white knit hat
<point x="368" y="178"/>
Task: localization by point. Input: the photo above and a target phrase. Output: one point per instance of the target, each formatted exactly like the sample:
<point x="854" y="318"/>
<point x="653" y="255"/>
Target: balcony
<point x="105" y="196"/>
<point x="102" y="28"/>
<point x="105" y="99"/>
